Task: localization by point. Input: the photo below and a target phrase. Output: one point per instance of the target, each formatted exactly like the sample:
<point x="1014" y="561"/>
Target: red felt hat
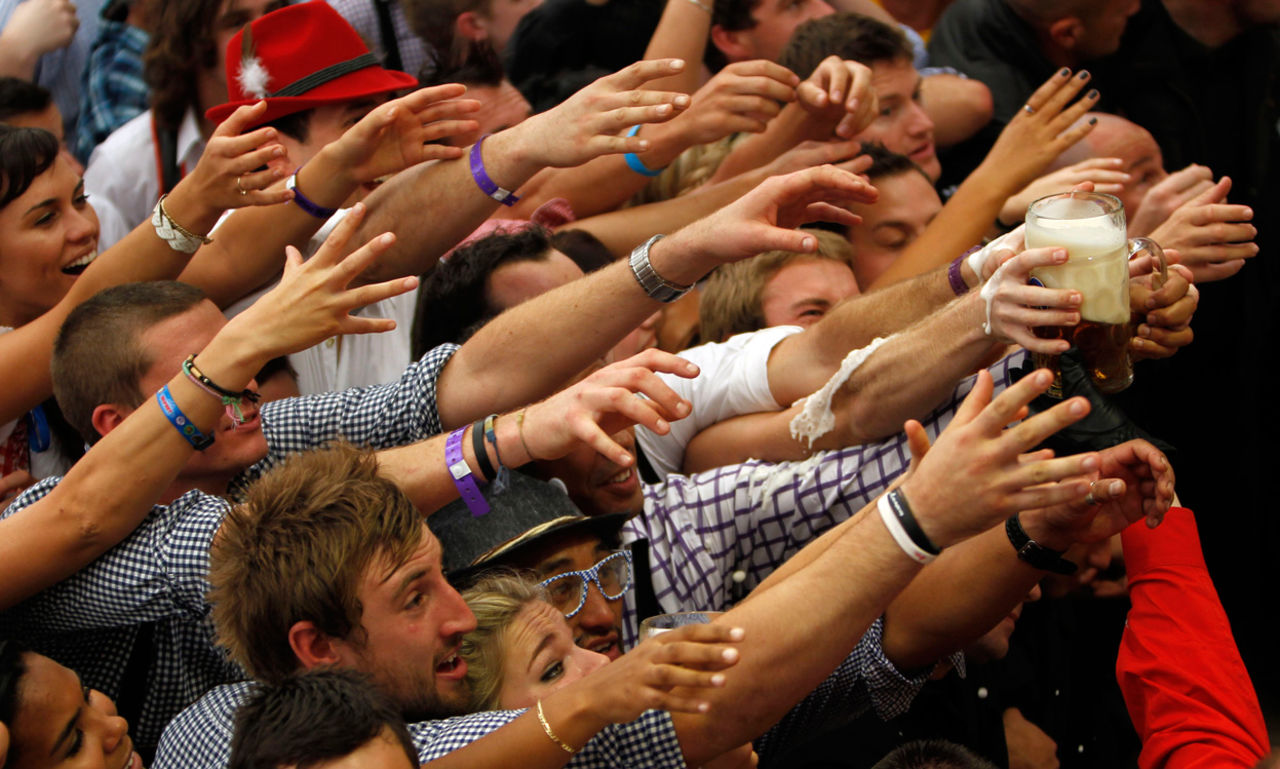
<point x="301" y="57"/>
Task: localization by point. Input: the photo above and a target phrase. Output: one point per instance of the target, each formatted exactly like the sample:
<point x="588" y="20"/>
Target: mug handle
<point x="1137" y="246"/>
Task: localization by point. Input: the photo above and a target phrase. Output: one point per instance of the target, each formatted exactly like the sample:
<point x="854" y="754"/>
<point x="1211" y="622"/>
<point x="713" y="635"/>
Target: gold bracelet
<point x="546" y="727"/>
<point x="520" y="429"/>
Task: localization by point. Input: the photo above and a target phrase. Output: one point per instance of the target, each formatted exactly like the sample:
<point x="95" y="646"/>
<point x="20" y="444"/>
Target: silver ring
<point x="1089" y="500"/>
<point x="1027" y="109"/>
<point x="243" y="191"/>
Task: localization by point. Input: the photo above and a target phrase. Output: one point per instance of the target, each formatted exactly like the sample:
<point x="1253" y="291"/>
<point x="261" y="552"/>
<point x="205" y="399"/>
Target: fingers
<point x="238" y="121"/>
<point x="917" y="440"/>
<point x="363" y="296"/>
<point x="636" y="75"/>
<point x="425" y="97"/>
<point x="330" y="252"/>
<point x="442" y="129"/>
<point x="978" y="398"/>
<point x="1214" y="193"/>
<point x="1033" y="431"/>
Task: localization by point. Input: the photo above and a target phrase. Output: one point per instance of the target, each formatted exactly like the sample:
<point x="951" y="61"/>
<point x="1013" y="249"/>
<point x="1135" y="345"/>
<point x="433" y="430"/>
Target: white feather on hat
<point x="253" y="76"/>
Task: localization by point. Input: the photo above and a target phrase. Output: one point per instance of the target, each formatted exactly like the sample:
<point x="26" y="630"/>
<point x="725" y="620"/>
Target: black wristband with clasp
<point x="1033" y="553"/>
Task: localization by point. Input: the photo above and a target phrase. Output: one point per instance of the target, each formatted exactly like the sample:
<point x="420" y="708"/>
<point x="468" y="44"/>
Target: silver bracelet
<point x="179" y="238"/>
<point x="650" y="281"/>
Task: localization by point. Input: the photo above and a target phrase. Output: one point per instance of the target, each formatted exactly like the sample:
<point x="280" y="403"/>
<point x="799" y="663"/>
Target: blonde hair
<point x="730" y="299"/>
<point x="496" y="598"/>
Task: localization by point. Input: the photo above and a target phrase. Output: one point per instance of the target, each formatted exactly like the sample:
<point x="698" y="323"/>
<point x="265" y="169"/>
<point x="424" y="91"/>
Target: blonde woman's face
<point x="539" y="656"/>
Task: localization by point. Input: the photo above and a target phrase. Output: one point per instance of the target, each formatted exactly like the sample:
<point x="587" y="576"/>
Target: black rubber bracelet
<point x="902" y="511"/>
<point x="477" y="445"/>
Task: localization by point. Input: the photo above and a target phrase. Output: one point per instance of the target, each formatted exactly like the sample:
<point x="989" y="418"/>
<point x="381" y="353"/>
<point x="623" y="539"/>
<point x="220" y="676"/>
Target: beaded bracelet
<point x="230" y="398"/>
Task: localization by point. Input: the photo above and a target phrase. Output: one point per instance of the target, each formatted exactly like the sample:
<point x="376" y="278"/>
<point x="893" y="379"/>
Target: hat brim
<point x="604" y="526"/>
<point x="370" y="81"/>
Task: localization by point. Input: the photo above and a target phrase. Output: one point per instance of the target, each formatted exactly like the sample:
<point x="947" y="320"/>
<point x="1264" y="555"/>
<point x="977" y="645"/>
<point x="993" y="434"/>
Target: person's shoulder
<point x="121" y="147"/>
<point x="200" y="736"/>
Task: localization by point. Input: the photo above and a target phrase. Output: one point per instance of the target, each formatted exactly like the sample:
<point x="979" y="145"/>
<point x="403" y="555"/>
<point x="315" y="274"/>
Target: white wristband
<point x="899" y="534"/>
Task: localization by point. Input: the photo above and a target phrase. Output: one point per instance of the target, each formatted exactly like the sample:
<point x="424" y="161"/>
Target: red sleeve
<point x="1183" y="681"/>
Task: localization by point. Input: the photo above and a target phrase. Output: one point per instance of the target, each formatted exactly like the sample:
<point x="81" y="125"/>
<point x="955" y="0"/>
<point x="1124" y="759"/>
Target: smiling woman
<point x="53" y="720"/>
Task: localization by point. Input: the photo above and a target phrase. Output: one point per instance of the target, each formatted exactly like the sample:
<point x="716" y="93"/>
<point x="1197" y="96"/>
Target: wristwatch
<point x="1035" y="554"/>
<point x="653" y="284"/>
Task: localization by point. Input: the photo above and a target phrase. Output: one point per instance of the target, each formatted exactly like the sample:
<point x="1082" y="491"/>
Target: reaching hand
<point x="742" y="97"/>
<point x="1031" y="140"/>
<point x="226" y="177"/>
<point x="592" y="122"/>
<point x="41" y="26"/>
<point x="1015" y="308"/>
<point x="643" y="679"/>
<point x="975" y="475"/>
<point x="1104" y="173"/>
<point x="606" y="402"/>
<point x="1166" y="196"/>
<point x="1167" y="312"/>
<point x="1211" y="237"/>
<point x="764" y="219"/>
<point x="839" y="93"/>
<point x="312" y="302"/>
<point x="1131" y="481"/>
<point x="399" y="134"/>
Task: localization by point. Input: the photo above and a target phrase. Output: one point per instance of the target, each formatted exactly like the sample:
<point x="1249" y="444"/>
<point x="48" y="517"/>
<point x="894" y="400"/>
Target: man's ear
<point x="108" y="416"/>
<point x="1067" y="32"/>
<point x="732" y="43"/>
<point x="472" y="26"/>
<point x="312" y="647"/>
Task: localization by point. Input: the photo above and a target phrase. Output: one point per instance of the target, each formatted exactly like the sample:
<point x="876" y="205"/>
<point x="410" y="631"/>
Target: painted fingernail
<point x="1064" y="72"/>
<point x="1093" y="94"/>
<point x="1084" y="74"/>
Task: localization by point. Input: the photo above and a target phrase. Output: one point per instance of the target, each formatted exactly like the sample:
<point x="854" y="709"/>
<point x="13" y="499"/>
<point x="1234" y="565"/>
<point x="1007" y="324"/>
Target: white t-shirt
<point x="734" y="380"/>
<point x="123" y="176"/>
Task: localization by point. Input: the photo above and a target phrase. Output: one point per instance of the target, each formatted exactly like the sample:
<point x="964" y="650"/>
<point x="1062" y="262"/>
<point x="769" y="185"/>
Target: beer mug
<point x="1091" y="227"/>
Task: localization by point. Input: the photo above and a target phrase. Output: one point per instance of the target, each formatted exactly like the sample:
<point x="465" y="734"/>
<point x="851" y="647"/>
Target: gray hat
<point x="525" y="513"/>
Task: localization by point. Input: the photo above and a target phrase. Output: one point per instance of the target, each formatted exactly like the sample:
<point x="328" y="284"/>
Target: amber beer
<point x="1091" y="228"/>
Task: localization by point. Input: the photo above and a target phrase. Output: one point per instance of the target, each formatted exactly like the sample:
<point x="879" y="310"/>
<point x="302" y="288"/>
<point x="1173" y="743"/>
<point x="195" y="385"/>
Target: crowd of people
<point x="385" y="375"/>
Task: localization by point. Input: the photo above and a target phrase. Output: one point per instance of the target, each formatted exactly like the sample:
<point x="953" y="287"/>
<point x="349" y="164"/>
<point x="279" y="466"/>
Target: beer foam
<point x="1097" y="262"/>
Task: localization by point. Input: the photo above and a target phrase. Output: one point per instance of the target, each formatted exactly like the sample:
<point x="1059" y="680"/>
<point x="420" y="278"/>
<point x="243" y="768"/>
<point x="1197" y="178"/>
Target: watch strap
<point x="1033" y="553"/>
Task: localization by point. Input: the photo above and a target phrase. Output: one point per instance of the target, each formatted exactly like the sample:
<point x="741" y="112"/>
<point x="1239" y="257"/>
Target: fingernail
<point x="1084" y="74"/>
<point x="664" y="109"/>
<point x="1077" y="407"/>
<point x="1060" y="255"/>
<point x="1064" y="72"/>
<point x="1043" y="377"/>
<point x="806" y="243"/>
<point x="677" y="63"/>
<point x="703" y="707"/>
<point x="737" y="634"/>
<point x="1144" y="331"/>
<point x="835" y="96"/>
<point x="644" y="144"/>
<point x="1090" y="464"/>
<point x="387" y="239"/>
<point x="626" y="458"/>
<point x="1115" y="488"/>
<point x="682" y="100"/>
<point x="729" y="655"/>
<point x="662" y="425"/>
<point x="717" y="679"/>
<point x="1093" y="121"/>
<point x="1093" y="94"/>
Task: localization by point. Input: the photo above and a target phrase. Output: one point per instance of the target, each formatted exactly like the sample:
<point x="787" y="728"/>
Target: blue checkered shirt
<point x="200" y="738"/>
<point x="416" y="56"/>
<point x="92" y="621"/>
<point x="114" y="89"/>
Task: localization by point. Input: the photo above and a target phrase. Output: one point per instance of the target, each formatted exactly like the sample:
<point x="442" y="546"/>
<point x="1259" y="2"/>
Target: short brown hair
<point x="729" y="301"/>
<point x="851" y="36"/>
<point x="296" y="549"/>
<point x="98" y="358"/>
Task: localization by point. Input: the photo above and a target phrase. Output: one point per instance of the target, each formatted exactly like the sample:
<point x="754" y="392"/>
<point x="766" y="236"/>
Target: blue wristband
<point x="634" y="162"/>
<point x="198" y="440"/>
<point x="462" y="477"/>
<point x="481" y="177"/>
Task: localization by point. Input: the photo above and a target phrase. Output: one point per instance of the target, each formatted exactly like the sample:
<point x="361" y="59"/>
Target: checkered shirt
<point x="91" y="621"/>
<point x="746" y="520"/>
<point x="200" y="737"/>
<point x="416" y="57"/>
<point x="114" y="89"/>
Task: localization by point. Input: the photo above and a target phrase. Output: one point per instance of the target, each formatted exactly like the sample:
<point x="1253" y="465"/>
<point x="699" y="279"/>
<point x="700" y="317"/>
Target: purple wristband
<point x="953" y="274"/>
<point x="486" y="185"/>
<point x="305" y="203"/>
<point x="462" y="477"/>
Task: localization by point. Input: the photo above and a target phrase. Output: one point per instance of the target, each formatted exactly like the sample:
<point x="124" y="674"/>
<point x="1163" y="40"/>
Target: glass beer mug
<point x="1091" y="227"/>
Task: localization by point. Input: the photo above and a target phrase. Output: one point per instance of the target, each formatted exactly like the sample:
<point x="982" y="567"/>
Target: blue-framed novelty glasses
<point x="568" y="592"/>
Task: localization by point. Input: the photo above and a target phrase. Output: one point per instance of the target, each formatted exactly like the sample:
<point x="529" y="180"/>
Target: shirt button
<point x="329" y="342"/>
<point x="738" y="576"/>
<point x="982" y="692"/>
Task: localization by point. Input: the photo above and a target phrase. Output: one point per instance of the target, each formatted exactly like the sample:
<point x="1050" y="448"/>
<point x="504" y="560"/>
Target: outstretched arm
<point x="91" y="510"/>
<point x="196" y="202"/>
<point x="509" y="363"/>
